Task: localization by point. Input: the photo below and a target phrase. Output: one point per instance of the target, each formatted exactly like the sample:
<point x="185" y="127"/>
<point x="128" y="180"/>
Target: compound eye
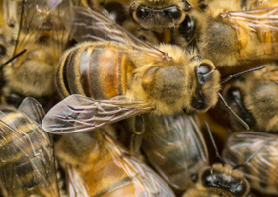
<point x="174" y="12"/>
<point x="187" y="28"/>
<point x="234" y="94"/>
<point x="3" y="50"/>
<point x="204" y="69"/>
<point x="142" y="12"/>
<point x="143" y="38"/>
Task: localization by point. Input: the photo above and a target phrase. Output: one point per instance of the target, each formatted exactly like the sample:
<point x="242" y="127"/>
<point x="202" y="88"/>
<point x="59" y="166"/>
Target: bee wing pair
<point x="264" y="22"/>
<point x="27" y="158"/>
<point x="78" y="113"/>
<point x="89" y="25"/>
<point x="178" y="134"/>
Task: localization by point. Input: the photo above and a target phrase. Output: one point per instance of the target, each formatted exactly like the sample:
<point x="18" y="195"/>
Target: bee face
<point x="158" y="15"/>
<point x="225" y="178"/>
<point x="253" y="97"/>
<point x="219" y="180"/>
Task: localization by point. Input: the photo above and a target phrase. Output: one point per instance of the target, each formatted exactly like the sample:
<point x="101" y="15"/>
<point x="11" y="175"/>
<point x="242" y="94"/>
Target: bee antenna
<point x="14" y="57"/>
<point x="234" y="113"/>
<point x="214" y="145"/>
<point x="251" y="156"/>
<point x="241" y="73"/>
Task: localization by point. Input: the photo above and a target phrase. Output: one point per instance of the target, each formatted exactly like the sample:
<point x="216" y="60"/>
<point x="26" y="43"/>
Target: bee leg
<point x="137" y="135"/>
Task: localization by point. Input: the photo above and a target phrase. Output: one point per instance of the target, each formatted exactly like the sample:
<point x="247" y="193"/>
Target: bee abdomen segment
<point x="96" y="70"/>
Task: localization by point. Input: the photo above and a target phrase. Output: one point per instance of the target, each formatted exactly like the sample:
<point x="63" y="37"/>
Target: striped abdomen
<point x="97" y="70"/>
<point x="26" y="158"/>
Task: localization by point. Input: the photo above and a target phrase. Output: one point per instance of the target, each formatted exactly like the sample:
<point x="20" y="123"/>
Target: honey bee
<point x="27" y="166"/>
<point x="234" y="32"/>
<point x="261" y="171"/>
<point x="254" y="98"/>
<point x="175" y="147"/>
<point x="129" y="76"/>
<point x="158" y="15"/>
<point x="106" y="168"/>
<point x="40" y="31"/>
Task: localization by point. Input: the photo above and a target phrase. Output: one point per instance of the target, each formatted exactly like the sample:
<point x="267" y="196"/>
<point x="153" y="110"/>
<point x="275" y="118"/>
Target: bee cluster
<point x="128" y="86"/>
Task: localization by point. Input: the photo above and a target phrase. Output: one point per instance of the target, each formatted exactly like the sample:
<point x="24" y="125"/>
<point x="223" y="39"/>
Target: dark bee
<point x="175" y="147"/>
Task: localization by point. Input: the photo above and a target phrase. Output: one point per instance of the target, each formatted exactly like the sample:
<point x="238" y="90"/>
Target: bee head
<point x="224" y="178"/>
<point x="207" y="85"/>
<point x="158" y="15"/>
<point x="235" y="98"/>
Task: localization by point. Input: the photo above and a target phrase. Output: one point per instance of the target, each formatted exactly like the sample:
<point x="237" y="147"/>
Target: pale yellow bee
<point x="232" y="32"/>
<point x="126" y="77"/>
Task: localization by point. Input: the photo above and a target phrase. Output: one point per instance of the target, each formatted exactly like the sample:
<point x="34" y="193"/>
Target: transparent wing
<point x="78" y="113"/>
<point x="90" y="25"/>
<point x="264" y="22"/>
<point x="33" y="109"/>
<point x="262" y="169"/>
<point x="143" y="179"/>
<point x="27" y="161"/>
<point x="40" y="27"/>
<point x="262" y="19"/>
<point x="174" y="145"/>
<point x="75" y="184"/>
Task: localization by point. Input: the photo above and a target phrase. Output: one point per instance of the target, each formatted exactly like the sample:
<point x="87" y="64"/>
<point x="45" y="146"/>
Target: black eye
<point x="142" y="12"/>
<point x="187" y="28"/>
<point x="3" y="50"/>
<point x="204" y="69"/>
<point x="174" y="12"/>
<point x="234" y="95"/>
<point x="118" y="10"/>
<point x="143" y="38"/>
